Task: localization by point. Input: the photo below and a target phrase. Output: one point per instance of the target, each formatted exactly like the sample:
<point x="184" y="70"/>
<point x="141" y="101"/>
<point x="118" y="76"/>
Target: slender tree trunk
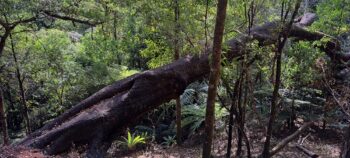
<point x="249" y="97"/>
<point x="61" y="94"/>
<point x="214" y="77"/>
<point x="3" y="40"/>
<point x="3" y="120"/>
<point x="115" y="25"/>
<point x="206" y="25"/>
<point x="21" y="88"/>
<point x="176" y="57"/>
<point x="346" y="145"/>
<point x="280" y="45"/>
<point x="273" y="105"/>
<point x="11" y="107"/>
<point x="231" y="119"/>
<point x="239" y="115"/>
<point x="293" y="115"/>
<point x="230" y="130"/>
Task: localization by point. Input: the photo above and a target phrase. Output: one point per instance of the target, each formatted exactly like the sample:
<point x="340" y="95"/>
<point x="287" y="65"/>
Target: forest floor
<point x="325" y="143"/>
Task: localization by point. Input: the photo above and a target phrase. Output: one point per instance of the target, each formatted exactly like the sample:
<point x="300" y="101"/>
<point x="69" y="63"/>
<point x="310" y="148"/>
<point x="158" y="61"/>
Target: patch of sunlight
<point x="127" y="73"/>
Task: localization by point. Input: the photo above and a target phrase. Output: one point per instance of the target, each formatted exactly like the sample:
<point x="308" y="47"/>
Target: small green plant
<point x="194" y="116"/>
<point x="169" y="141"/>
<point x="132" y="141"/>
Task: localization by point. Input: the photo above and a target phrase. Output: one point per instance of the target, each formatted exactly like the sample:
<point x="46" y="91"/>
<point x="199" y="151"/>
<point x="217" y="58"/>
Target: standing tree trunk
<point x="176" y="57"/>
<point x="3" y="40"/>
<point x="3" y="120"/>
<point x="206" y="26"/>
<point x="346" y="145"/>
<point x="233" y="111"/>
<point x="239" y="114"/>
<point x="282" y="39"/>
<point x="21" y="88"/>
<point x="214" y="76"/>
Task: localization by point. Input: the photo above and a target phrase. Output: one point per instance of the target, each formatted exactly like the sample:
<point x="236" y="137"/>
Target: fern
<point x="194" y="102"/>
<point x="169" y="141"/>
<point x="194" y="116"/>
<point x="132" y="141"/>
<point x="195" y="92"/>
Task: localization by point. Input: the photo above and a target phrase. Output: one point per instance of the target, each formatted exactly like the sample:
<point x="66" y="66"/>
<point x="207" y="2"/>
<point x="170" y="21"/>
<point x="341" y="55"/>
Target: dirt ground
<point x="325" y="143"/>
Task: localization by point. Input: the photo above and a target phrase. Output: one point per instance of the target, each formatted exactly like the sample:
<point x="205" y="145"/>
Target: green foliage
<point x="124" y="72"/>
<point x="194" y="116"/>
<point x="132" y="141"/>
<point x="158" y="54"/>
<point x="169" y="141"/>
<point x="195" y="93"/>
<point x="136" y="35"/>
<point x="299" y="65"/>
<point x="194" y="102"/>
<point x="58" y="72"/>
<point x="333" y="17"/>
<point x="48" y="57"/>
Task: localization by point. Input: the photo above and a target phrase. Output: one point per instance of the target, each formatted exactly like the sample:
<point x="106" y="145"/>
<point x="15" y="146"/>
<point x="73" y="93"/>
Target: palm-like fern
<point x="169" y="141"/>
<point x="132" y="141"/>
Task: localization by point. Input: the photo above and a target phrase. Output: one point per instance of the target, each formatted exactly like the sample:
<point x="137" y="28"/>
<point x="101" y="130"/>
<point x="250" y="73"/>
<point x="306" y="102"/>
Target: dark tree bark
<point x="346" y="145"/>
<point x="8" y="27"/>
<point x="128" y="99"/>
<point x="3" y="40"/>
<point x="233" y="111"/>
<point x="2" y="112"/>
<point x="206" y="25"/>
<point x="176" y="57"/>
<point x="116" y="106"/>
<point x="214" y="77"/>
<point x="24" y="110"/>
<point x="239" y="114"/>
<point x="3" y="120"/>
<point x="282" y="39"/>
<point x="11" y="109"/>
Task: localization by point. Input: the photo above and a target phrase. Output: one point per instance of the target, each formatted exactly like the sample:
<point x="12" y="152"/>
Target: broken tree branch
<point x="306" y="151"/>
<point x="65" y="17"/>
<point x="288" y="139"/>
<point x="21" y="21"/>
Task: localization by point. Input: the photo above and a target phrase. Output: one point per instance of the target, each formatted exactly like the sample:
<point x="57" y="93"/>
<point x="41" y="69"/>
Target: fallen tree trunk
<point x="102" y="117"/>
<point x="106" y="112"/>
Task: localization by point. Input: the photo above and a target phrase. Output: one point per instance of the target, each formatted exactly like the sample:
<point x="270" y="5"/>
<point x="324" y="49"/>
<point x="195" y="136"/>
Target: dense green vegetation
<point x="54" y="54"/>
